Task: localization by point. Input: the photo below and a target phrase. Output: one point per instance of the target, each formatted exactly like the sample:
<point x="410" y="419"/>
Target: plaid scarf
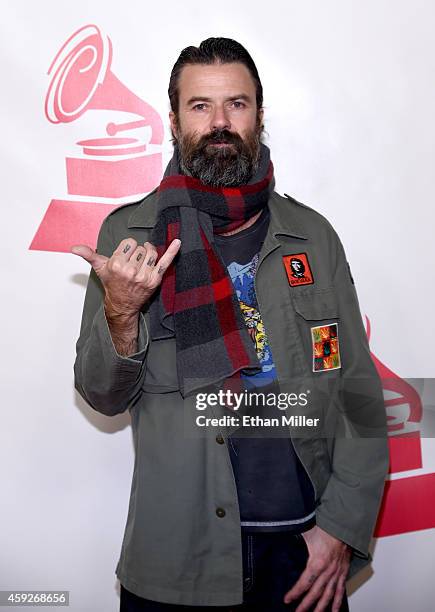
<point x="196" y="301"/>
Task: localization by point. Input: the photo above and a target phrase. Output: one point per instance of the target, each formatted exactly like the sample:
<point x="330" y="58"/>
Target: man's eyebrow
<point x="240" y="97"/>
<point x="198" y="99"/>
<point x="193" y="99"/>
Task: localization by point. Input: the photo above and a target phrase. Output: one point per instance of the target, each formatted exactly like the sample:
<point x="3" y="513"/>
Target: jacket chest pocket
<point x="318" y="322"/>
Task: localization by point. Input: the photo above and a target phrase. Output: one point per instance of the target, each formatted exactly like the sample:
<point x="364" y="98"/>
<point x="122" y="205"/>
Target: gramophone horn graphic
<point x="125" y="162"/>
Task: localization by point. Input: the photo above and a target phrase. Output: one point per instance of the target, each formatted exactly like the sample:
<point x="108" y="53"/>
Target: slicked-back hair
<point x="213" y="51"/>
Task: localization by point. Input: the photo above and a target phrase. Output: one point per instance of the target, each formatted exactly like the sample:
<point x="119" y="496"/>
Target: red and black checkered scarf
<point x="196" y="302"/>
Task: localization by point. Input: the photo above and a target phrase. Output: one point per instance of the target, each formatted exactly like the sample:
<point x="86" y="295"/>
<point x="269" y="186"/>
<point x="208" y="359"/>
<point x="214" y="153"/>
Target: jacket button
<point x="220" y="512"/>
<point x="219" y="439"/>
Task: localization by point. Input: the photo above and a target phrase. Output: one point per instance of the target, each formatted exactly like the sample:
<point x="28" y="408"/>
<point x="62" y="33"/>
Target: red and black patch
<point x="298" y="269"/>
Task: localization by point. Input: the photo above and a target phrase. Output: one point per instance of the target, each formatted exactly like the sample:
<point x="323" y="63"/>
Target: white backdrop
<point x="349" y="99"/>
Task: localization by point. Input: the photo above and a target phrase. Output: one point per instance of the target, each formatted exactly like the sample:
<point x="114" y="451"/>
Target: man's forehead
<point x="215" y="81"/>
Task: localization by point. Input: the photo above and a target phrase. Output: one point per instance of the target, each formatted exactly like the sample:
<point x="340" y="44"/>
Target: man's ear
<point x="174" y="124"/>
<point x="260" y="116"/>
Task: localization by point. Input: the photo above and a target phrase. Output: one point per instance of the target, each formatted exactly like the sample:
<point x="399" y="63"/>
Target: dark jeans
<point x="272" y="563"/>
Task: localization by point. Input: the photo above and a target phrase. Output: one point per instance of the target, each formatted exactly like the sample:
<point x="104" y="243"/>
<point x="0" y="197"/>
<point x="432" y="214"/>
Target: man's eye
<point x="238" y="104"/>
<point x="201" y="106"/>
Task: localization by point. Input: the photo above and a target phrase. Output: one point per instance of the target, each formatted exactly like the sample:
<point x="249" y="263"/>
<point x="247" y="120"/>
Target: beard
<point x="231" y="165"/>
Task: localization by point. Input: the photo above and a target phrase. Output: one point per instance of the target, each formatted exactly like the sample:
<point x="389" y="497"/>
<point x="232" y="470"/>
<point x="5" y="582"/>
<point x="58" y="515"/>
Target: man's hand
<point x="129" y="277"/>
<point x="324" y="578"/>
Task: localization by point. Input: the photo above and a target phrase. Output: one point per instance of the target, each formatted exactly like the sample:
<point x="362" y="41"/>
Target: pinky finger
<point x="166" y="259"/>
<point x="158" y="270"/>
<point x="339" y="594"/>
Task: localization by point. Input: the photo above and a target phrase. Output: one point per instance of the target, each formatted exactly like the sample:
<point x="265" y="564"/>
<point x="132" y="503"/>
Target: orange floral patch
<point x="326" y="350"/>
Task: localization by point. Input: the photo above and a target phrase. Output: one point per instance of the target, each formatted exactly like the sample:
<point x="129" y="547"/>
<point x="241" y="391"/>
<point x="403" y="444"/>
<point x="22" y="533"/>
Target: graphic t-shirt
<point x="274" y="490"/>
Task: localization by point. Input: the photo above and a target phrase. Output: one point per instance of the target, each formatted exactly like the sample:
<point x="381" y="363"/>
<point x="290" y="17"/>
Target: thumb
<point x="96" y="260"/>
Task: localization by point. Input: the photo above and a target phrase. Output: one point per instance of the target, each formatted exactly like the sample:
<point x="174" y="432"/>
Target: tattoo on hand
<point x="312" y="578"/>
<point x="161" y="270"/>
<point x="139" y="256"/>
<point x="150" y="261"/>
<point x="126" y="248"/>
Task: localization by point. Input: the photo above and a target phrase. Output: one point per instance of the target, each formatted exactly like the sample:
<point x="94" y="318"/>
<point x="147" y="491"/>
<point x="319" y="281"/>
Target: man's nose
<point x="220" y="119"/>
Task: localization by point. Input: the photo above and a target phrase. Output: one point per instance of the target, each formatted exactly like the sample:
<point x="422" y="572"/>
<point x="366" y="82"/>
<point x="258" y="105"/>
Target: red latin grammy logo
<point x="126" y="161"/>
<point x="409" y="499"/>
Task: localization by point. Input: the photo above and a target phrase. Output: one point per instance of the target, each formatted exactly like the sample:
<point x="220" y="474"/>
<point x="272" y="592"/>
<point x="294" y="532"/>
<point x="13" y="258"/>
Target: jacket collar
<point x="282" y="218"/>
<point x="145" y="215"/>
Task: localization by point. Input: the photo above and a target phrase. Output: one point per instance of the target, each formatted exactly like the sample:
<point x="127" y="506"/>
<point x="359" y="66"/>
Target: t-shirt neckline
<point x="248" y="230"/>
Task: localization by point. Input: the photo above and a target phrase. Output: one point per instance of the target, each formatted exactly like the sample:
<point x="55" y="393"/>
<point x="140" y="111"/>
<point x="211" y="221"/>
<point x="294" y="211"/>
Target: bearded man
<point x="193" y="289"/>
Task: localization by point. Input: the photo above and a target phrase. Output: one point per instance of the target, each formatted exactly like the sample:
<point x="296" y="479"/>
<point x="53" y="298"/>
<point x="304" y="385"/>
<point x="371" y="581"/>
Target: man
<point x="298" y="268"/>
<point x="195" y="288"/>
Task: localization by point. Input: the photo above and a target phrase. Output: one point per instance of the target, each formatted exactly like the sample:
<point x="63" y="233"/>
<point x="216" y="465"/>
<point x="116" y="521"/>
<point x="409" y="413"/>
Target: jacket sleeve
<point x="109" y="382"/>
<point x="359" y="453"/>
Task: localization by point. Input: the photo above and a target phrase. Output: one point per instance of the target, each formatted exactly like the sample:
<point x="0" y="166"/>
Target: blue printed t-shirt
<point x="274" y="490"/>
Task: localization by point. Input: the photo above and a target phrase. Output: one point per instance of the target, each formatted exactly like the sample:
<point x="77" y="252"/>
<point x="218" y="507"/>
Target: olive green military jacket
<point x="182" y="541"/>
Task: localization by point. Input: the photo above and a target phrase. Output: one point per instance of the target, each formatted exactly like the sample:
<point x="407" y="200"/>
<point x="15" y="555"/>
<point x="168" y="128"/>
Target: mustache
<point x="220" y="136"/>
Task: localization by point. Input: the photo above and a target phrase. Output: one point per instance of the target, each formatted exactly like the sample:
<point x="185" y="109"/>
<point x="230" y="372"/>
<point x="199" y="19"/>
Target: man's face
<point x="297" y="267"/>
<point x="218" y="125"/>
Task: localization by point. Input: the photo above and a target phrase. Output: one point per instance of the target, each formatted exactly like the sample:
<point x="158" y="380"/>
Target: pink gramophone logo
<point x="116" y="165"/>
<point x="409" y="496"/>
